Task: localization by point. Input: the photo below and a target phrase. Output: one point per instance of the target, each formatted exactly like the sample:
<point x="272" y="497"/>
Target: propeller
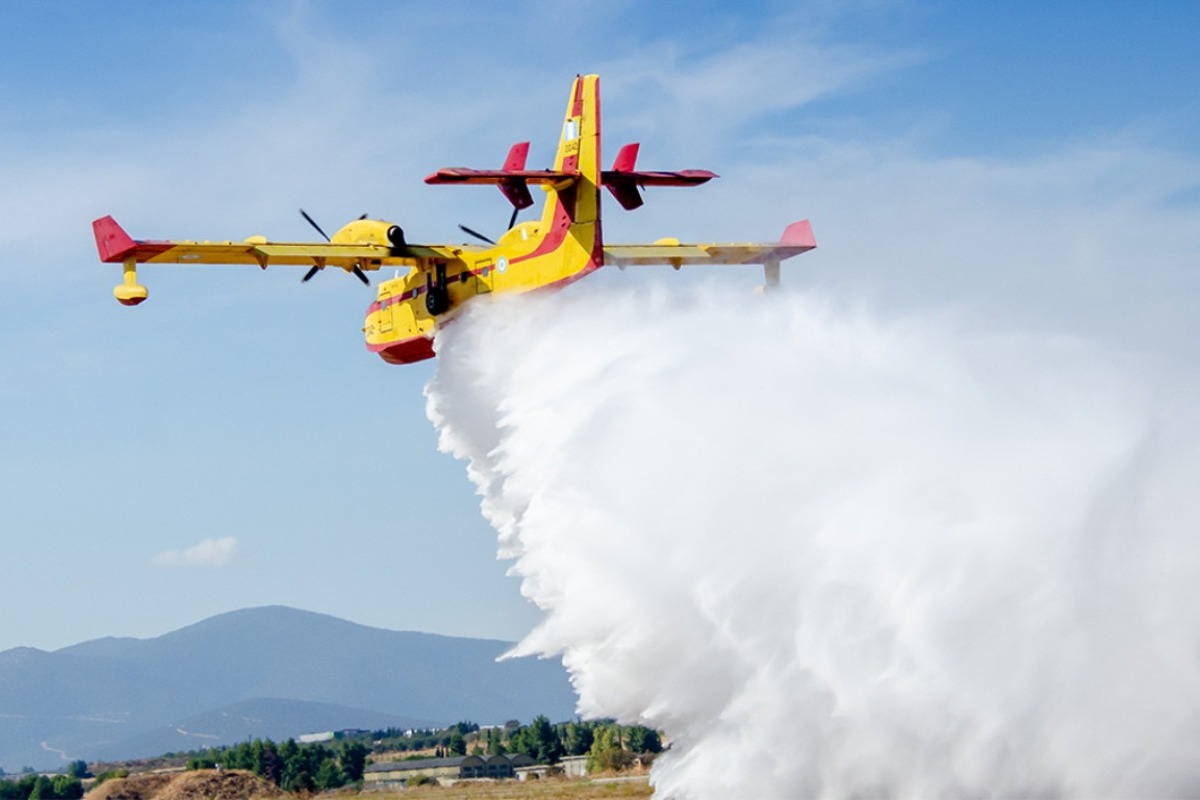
<point x="476" y="234"/>
<point x="511" y="222"/>
<point x="315" y="269"/>
<point x="313" y="222"/>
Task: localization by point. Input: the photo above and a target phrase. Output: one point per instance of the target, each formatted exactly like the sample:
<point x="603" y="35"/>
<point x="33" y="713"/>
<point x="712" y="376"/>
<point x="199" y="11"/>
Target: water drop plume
<point x="835" y="555"/>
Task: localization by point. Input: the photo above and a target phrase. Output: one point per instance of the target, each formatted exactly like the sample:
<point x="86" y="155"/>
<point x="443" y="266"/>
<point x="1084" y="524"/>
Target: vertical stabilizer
<point x="578" y="152"/>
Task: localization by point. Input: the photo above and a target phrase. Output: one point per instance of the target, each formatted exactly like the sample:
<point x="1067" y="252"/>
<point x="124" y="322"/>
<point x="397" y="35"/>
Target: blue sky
<point x="231" y="442"/>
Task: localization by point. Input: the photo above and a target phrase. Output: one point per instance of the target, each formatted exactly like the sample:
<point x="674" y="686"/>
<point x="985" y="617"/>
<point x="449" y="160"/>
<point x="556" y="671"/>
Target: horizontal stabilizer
<point x="513" y="179"/>
<point x="624" y="179"/>
<point x="465" y="175"/>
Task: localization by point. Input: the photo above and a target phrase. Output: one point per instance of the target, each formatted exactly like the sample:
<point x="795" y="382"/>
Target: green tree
<point x="577" y="738"/>
<point x="290" y="763"/>
<point x="495" y="742"/>
<point x="300" y="782"/>
<point x="328" y="775"/>
<point x="67" y="788"/>
<point x="203" y="761"/>
<point x="606" y="752"/>
<point x="272" y="762"/>
<point x="538" y="740"/>
<point x="42" y="789"/>
<point x="354" y="761"/>
<point x="108" y="775"/>
<point x="76" y="769"/>
<point x="641" y="739"/>
<point x="457" y="744"/>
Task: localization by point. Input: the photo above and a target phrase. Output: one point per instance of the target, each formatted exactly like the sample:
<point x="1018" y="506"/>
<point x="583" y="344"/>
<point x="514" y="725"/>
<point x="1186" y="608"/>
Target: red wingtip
<point x="111" y="240"/>
<point x="799" y="234"/>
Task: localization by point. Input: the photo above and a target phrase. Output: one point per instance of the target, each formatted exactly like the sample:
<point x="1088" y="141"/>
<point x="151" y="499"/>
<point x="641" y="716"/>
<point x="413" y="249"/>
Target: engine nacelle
<point x="370" y="231"/>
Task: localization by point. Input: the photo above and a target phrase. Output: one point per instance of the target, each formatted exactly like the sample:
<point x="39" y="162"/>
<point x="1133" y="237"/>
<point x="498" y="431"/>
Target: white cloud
<point x="220" y="552"/>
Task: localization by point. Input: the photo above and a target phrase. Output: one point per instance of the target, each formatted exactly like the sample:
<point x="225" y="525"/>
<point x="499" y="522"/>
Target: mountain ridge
<point x="87" y="698"/>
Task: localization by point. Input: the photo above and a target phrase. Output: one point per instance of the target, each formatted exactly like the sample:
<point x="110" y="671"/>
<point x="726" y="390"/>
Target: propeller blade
<point x="308" y="275"/>
<point x="476" y="234"/>
<point x="357" y="271"/>
<point x="312" y="222"/>
<point x="513" y="219"/>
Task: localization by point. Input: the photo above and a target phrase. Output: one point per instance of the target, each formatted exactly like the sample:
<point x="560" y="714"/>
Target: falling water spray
<point x="836" y="555"/>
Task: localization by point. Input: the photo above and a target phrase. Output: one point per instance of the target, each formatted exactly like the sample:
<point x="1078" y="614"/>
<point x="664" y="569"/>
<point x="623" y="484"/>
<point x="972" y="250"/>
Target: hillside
<point x="205" y="784"/>
<point x="298" y="671"/>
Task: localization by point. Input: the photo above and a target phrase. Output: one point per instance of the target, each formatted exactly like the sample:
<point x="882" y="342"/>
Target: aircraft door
<point x="483" y="276"/>
<point x="383" y="322"/>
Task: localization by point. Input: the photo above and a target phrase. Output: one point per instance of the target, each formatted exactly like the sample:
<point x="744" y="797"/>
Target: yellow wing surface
<point x="368" y="244"/>
<point x="361" y="246"/>
<point x="797" y="238"/>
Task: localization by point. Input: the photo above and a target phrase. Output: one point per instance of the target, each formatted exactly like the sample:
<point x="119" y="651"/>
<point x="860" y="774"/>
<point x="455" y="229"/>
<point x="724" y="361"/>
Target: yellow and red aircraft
<point x="563" y="246"/>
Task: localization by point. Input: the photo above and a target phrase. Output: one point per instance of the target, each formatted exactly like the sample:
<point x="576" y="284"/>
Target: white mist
<point x="835" y="556"/>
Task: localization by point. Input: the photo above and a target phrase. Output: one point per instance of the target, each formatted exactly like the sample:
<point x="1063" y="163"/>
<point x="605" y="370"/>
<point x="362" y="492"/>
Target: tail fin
<point x="518" y="154"/>
<point x="626" y="160"/>
<point x="516" y="190"/>
<point x="579" y="153"/>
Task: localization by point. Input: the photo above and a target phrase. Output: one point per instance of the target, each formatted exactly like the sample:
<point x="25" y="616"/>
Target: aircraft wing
<point x="797" y="238"/>
<point x="116" y="246"/>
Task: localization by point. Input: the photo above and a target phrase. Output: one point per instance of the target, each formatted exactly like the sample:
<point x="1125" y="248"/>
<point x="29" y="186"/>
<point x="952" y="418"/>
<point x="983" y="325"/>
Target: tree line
<point x="290" y="766"/>
<point x="606" y="744"/>
<point x="39" y="787"/>
<point x="316" y="767"/>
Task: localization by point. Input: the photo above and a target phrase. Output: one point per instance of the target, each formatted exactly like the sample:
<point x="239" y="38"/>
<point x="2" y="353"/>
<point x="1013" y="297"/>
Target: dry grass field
<point x="199" y="785"/>
<point x="239" y="785"/>
<point x="545" y="789"/>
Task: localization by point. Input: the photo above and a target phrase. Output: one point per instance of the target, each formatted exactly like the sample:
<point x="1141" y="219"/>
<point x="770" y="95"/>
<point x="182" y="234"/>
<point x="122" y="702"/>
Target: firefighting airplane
<point x="562" y="247"/>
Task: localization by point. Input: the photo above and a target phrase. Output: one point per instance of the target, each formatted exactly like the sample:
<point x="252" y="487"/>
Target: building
<point x="445" y="770"/>
<point x="330" y="736"/>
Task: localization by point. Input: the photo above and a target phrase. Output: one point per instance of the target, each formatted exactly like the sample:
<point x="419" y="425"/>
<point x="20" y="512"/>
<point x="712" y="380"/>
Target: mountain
<point x="264" y="719"/>
<point x="271" y="671"/>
